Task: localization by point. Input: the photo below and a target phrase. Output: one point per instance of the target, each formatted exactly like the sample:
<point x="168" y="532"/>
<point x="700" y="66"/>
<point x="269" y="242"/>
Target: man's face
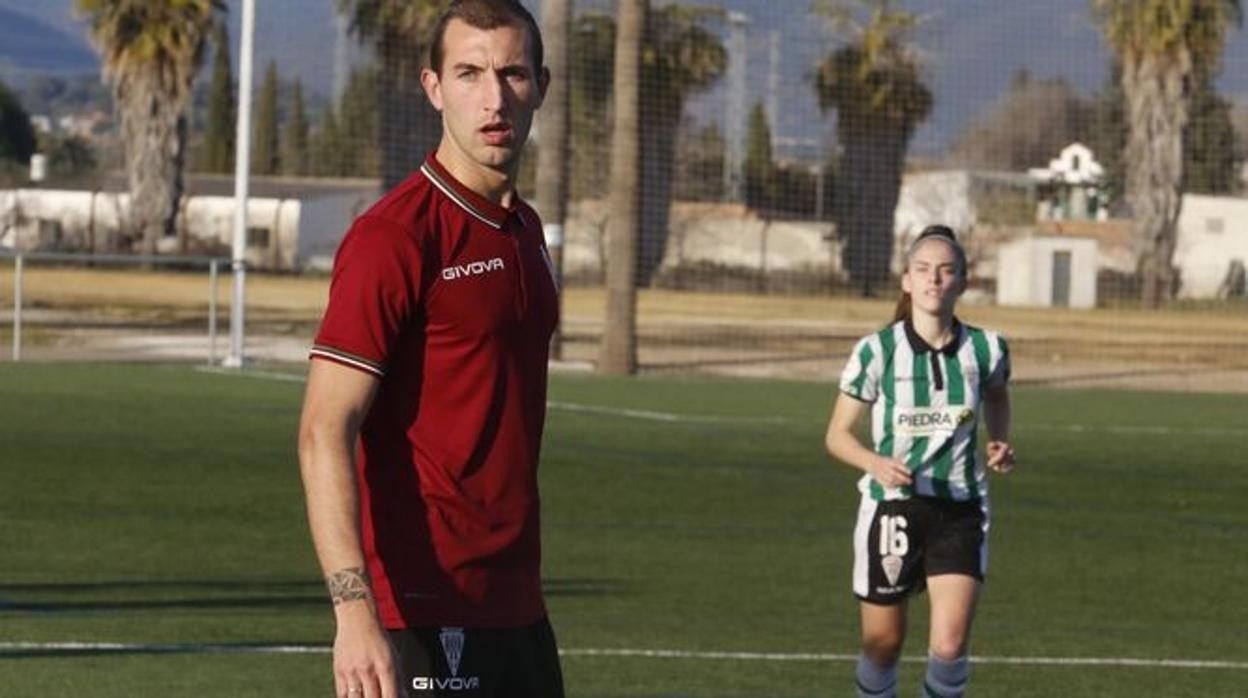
<point x="487" y="92"/>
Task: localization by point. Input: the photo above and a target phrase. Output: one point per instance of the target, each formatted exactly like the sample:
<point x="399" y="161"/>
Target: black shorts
<point x="479" y="662"/>
<point x="899" y="544"/>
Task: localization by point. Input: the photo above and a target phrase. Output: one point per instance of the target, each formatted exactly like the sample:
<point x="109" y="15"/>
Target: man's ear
<point x="433" y="87"/>
<point x="543" y="84"/>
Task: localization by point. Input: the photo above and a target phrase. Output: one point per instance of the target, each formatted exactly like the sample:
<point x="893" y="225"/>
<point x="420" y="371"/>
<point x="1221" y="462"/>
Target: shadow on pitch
<point x="140" y="595"/>
<point x="103" y="650"/>
<point x="67" y="597"/>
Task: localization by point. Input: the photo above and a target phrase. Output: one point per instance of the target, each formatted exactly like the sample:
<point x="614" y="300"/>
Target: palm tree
<point x="618" y="353"/>
<point x="592" y="53"/>
<point x="873" y="83"/>
<point x="399" y="31"/>
<point x="152" y="51"/>
<point x="553" y="131"/>
<point x="1163" y="47"/>
<point x="681" y="58"/>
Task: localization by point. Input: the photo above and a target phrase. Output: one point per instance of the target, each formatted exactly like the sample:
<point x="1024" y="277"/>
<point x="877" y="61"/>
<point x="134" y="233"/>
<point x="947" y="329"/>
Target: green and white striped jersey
<point x="925" y="406"/>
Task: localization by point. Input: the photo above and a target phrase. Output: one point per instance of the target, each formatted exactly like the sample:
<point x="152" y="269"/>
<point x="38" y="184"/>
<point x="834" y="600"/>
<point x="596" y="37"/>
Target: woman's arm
<point x="843" y="445"/>
<point x="997" y="422"/>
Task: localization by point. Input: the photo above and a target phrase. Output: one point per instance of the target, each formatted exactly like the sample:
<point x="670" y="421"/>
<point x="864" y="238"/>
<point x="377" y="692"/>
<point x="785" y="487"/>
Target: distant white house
<point x="1071" y="186"/>
<point x="292" y="223"/>
<point x="1212" y="244"/>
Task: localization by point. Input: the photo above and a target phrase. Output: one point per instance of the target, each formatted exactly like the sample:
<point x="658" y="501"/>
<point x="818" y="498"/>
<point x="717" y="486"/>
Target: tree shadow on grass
<point x="166" y="595"/>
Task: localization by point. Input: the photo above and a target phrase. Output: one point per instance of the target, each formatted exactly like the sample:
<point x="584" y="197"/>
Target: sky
<point x="970" y="51"/>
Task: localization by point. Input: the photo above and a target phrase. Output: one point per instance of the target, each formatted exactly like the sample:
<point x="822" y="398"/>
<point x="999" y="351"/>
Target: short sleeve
<point x="1000" y="374"/>
<point x="374" y="292"/>
<point x="861" y="377"/>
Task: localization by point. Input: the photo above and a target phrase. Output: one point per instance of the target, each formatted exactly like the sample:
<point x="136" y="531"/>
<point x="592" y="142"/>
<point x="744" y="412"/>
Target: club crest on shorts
<point x="892" y="568"/>
<point x="453" y="646"/>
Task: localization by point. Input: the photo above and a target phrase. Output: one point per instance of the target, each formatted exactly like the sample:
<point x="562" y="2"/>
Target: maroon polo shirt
<point x="449" y="300"/>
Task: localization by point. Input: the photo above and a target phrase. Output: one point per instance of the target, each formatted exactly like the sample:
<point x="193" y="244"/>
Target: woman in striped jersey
<point x="927" y="380"/>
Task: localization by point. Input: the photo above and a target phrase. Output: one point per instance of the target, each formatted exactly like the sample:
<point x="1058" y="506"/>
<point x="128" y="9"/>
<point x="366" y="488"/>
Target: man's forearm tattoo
<point x="348" y="584"/>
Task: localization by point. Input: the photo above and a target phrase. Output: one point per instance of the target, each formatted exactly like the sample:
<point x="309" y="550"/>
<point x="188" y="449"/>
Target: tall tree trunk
<point x="1157" y="113"/>
<point x="875" y="153"/>
<point x="153" y="133"/>
<point x="618" y="353"/>
<point x="661" y="111"/>
<point x="410" y="127"/>
<point x="554" y="128"/>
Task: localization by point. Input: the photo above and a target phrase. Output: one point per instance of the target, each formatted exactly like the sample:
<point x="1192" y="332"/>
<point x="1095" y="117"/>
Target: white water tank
<point x="1047" y="271"/>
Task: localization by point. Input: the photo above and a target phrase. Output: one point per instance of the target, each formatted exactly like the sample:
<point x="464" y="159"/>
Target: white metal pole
<point x="242" y="171"/>
<point x="17" y="308"/>
<point x="212" y="312"/>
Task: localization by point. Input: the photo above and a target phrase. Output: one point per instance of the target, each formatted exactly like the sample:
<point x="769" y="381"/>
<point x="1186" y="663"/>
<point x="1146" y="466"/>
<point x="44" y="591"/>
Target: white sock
<point x="946" y="679"/>
<point x="875" y="681"/>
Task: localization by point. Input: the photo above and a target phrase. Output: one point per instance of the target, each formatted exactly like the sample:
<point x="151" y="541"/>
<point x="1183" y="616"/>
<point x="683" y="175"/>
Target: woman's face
<point x="933" y="278"/>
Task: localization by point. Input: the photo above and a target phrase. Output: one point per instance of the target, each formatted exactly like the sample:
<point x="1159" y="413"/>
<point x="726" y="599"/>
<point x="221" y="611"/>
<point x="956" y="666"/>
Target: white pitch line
<point x="827" y="657"/>
<point x="656" y="416"/>
<point x="678" y="418"/>
<point x="1160" y="430"/>
<point x="195" y="648"/>
<point x="253" y="373"/>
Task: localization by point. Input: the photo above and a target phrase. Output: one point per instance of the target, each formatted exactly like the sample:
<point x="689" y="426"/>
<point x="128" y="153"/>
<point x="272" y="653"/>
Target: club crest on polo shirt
<point x="929" y="421"/>
<point x="477" y="268"/>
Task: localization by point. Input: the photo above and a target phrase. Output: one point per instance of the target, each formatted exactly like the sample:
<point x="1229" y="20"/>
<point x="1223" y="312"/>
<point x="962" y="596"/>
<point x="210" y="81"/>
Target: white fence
<point x="23" y="263"/>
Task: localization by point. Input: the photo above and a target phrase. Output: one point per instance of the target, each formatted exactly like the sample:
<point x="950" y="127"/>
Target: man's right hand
<point x="364" y="662"/>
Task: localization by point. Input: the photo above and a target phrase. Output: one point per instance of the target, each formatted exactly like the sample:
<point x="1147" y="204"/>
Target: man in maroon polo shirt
<point x="426" y="398"/>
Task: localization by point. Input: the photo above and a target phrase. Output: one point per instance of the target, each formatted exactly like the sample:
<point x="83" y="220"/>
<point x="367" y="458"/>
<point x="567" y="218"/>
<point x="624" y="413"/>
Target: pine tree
<point x="217" y="154"/>
<point x="759" y="168"/>
<point x="266" y="144"/>
<point x="1108" y="137"/>
<point x="1209" y="157"/>
<point x="358" y="124"/>
<point x="326" y="146"/>
<point x="17" y="136"/>
<point x="295" y="136"/>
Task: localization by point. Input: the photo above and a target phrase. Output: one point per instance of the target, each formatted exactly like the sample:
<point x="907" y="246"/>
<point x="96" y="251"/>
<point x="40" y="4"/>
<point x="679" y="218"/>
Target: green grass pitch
<point x="161" y="504"/>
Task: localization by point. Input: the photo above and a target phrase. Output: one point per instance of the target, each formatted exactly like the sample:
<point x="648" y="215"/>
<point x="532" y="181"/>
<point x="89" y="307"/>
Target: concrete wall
<point x="717" y="234"/>
<point x="322" y="223"/>
<point x="1213" y="233"/>
<point x="1025" y="271"/>
<point x="80" y="221"/>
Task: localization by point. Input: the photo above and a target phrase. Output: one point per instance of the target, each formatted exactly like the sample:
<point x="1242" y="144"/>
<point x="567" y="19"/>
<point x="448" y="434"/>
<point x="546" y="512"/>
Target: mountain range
<point x="970" y="49"/>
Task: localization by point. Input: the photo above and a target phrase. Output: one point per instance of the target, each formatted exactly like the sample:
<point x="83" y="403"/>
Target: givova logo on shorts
<point x="453" y="641"/>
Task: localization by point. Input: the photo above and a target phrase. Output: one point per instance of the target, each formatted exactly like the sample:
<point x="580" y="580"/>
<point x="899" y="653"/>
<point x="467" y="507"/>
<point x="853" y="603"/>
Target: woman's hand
<point x="1000" y="457"/>
<point x="890" y="472"/>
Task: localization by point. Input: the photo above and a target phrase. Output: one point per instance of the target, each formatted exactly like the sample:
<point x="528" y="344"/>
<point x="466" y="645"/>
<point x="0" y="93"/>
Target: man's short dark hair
<point x="485" y="14"/>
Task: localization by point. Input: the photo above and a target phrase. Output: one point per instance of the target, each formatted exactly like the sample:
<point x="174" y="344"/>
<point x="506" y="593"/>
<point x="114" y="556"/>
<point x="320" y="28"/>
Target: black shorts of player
<point x="479" y="662"/>
<point x="898" y="544"/>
